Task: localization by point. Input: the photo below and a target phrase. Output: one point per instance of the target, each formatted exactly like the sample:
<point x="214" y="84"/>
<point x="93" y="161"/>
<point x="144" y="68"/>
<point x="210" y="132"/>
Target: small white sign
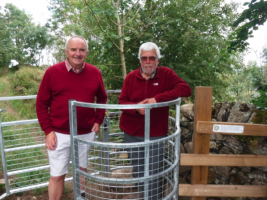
<point x="228" y="128"/>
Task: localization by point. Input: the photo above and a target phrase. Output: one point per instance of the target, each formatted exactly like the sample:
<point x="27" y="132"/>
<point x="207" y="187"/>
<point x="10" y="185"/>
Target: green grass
<point x="22" y="82"/>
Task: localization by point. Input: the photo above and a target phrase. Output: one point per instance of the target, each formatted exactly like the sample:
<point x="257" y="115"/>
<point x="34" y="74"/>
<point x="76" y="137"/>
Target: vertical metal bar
<point x="3" y="155"/>
<point x="106" y="149"/>
<point x="177" y="146"/>
<point x="177" y="113"/>
<point x="74" y="147"/>
<point x="99" y="138"/>
<point x="147" y="135"/>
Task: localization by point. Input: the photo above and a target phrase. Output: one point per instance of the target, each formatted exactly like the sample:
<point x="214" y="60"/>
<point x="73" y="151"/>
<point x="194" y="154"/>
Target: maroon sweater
<point x="164" y="86"/>
<point x="58" y="86"/>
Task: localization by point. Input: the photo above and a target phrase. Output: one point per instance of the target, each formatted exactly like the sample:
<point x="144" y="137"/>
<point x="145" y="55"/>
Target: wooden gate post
<point x="201" y="142"/>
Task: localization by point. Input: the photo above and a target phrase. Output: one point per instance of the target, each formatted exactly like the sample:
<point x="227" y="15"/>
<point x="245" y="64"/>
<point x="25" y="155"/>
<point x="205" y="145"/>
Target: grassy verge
<point x="22" y="83"/>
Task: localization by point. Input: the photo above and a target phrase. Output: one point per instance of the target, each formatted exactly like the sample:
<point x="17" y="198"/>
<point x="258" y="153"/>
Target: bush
<point x="26" y="80"/>
<point x="261" y="101"/>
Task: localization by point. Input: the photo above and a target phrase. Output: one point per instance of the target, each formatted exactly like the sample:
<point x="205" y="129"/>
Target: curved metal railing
<point x="109" y="174"/>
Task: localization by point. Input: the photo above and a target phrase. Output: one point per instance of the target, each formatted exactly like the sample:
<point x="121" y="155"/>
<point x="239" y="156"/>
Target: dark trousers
<point x="137" y="157"/>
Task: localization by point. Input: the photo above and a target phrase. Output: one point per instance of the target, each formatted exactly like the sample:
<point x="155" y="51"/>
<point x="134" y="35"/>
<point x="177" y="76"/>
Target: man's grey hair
<point x="75" y="36"/>
<point x="149" y="46"/>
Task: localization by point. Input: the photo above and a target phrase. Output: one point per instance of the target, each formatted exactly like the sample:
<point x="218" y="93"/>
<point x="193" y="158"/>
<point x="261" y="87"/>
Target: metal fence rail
<point x="24" y="155"/>
<point x="109" y="174"/>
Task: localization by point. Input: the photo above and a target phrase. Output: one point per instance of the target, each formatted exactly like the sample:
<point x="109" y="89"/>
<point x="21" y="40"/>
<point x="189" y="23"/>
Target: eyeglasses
<point x="151" y="58"/>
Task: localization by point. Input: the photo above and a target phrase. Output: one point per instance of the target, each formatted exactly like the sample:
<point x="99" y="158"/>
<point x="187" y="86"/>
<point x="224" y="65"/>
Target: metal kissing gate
<point x="109" y="174"/>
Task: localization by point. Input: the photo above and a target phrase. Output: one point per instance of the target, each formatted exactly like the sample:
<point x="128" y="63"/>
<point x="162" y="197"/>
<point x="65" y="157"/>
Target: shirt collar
<point x="70" y="68"/>
<point x="152" y="75"/>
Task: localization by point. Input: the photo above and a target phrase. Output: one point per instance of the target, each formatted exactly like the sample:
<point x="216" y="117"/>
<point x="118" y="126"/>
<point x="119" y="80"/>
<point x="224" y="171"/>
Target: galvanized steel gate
<point x="26" y="167"/>
<point x="109" y="174"/>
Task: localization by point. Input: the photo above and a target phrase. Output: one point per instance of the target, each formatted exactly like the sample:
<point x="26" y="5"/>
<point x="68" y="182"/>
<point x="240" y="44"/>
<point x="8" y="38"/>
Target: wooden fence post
<point x="201" y="142"/>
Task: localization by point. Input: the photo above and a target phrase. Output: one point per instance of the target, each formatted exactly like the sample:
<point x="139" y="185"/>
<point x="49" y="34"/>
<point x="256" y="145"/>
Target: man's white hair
<point x="148" y="46"/>
<point x="75" y="36"/>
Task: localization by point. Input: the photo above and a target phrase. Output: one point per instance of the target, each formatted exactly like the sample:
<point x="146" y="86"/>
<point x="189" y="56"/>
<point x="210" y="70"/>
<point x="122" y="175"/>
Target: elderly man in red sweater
<point x="71" y="79"/>
<point x="149" y="84"/>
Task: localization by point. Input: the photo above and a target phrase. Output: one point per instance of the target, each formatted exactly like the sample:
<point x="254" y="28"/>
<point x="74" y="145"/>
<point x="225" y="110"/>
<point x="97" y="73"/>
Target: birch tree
<point x="112" y="22"/>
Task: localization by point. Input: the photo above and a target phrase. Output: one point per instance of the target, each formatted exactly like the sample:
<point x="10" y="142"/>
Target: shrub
<point x="26" y="80"/>
<point x="261" y="101"/>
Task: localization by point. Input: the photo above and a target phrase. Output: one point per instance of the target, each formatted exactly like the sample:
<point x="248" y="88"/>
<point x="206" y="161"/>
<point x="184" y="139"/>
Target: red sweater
<point x="58" y="86"/>
<point x="164" y="86"/>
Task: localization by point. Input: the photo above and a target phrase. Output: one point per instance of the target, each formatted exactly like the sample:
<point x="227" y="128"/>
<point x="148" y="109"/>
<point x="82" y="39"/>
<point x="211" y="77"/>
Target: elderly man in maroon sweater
<point x="71" y="79"/>
<point x="149" y="84"/>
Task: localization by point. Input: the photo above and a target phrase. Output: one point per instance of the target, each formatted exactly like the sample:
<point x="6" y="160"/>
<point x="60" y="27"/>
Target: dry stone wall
<point x="227" y="144"/>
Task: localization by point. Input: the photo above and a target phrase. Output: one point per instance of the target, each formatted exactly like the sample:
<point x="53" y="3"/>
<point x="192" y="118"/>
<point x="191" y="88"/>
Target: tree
<point x="24" y="40"/>
<point x="7" y="46"/>
<point x="250" y="19"/>
<point x="111" y="22"/>
<point x="242" y="80"/>
<point x="192" y="35"/>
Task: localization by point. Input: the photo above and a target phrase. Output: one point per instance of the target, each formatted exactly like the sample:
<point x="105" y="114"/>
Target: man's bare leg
<point x="82" y="180"/>
<point x="56" y="187"/>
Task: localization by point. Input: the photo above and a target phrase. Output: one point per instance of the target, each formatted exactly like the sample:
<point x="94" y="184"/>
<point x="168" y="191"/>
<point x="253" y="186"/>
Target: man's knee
<point x="57" y="178"/>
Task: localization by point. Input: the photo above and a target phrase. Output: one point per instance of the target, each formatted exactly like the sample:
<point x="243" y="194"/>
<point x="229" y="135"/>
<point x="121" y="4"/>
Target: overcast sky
<point x="39" y="12"/>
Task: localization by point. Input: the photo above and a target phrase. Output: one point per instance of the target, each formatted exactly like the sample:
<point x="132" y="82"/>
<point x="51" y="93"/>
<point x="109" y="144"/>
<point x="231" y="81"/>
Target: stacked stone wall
<point x="227" y="144"/>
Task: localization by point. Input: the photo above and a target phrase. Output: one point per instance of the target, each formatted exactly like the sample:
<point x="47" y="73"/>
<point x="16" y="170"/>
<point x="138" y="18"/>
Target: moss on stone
<point x="260" y="117"/>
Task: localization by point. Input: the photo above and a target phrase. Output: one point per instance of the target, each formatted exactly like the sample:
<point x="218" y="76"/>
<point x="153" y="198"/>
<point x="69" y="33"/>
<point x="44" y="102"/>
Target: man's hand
<point x="151" y="100"/>
<point x="51" y="141"/>
<point x="95" y="128"/>
<point x="142" y="110"/>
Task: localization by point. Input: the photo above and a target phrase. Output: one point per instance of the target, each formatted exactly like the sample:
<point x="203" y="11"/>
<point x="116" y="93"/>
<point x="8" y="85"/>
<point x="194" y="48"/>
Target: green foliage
<point x="261" y="101"/>
<point x="191" y="35"/>
<point x="241" y="81"/>
<point x="21" y="40"/>
<point x="7" y="46"/>
<point x="250" y="20"/>
<point x="260" y="117"/>
<point x="19" y="109"/>
<point x="26" y="81"/>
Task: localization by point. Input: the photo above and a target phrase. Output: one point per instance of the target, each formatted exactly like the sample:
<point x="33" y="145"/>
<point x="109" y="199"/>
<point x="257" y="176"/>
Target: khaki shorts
<point x="59" y="159"/>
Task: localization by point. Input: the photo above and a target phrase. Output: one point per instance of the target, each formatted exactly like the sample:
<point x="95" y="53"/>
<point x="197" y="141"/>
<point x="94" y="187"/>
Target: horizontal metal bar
<point x="112" y="114"/>
<point x="25" y="147"/>
<point x="3" y="196"/>
<point x="123" y="106"/>
<point x="123" y="181"/>
<point x="117" y="152"/>
<point x="18" y="97"/>
<point x="116" y="134"/>
<point x="34" y="96"/>
<point x="113" y="91"/>
<point x="126" y="145"/>
<point x="121" y="167"/>
<point x="35" y="186"/>
<point x="28" y="170"/>
<point x="21" y="122"/>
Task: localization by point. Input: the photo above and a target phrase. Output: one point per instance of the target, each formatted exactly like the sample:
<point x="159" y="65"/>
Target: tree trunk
<point x="121" y="46"/>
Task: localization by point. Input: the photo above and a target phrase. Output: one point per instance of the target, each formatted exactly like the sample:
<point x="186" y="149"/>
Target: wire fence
<point x="24" y="156"/>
